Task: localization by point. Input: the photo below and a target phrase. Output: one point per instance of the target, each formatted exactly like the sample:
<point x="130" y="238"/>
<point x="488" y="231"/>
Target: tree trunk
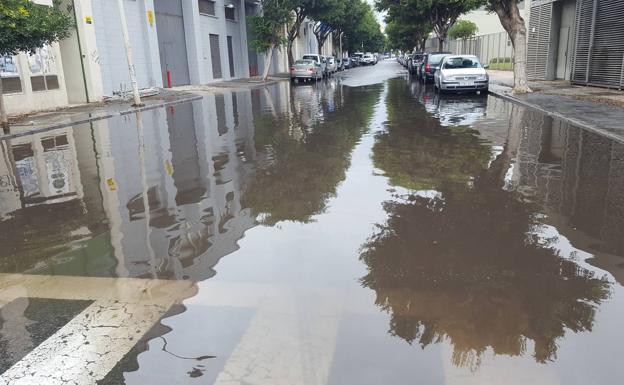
<point x="440" y="44"/>
<point x="267" y="63"/>
<point x="4" y="119"/>
<point x="291" y="59"/>
<point x="513" y="23"/>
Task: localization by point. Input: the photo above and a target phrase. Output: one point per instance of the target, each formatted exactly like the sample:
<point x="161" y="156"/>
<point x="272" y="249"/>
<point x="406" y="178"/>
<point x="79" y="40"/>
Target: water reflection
<point x="168" y="192"/>
<point x="465" y="264"/>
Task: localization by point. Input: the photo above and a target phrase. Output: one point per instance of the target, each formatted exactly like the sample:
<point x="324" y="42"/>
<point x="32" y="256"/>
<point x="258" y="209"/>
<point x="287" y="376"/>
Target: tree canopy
<point x="26" y="26"/>
<point x="463" y="29"/>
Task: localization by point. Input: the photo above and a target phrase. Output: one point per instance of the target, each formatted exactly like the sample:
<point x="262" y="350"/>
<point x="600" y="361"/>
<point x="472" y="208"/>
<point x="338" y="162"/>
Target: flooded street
<point x="364" y="230"/>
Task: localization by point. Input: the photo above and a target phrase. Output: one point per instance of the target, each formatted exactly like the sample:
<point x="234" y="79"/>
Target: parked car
<point x="306" y="69"/>
<point x="346" y="63"/>
<point x="318" y="59"/>
<point x="414" y="61"/>
<point x="332" y="66"/>
<point x="430" y="65"/>
<point x="461" y="73"/>
<point x="355" y="61"/>
<point x="368" y="59"/>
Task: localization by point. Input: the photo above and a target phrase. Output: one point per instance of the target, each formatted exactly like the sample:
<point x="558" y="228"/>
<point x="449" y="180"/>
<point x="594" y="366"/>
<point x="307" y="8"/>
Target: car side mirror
<point x="486" y="66"/>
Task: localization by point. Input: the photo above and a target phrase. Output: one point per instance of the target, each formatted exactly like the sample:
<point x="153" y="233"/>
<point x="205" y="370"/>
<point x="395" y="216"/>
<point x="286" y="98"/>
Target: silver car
<point x="461" y="73"/>
<point x="306" y="69"/>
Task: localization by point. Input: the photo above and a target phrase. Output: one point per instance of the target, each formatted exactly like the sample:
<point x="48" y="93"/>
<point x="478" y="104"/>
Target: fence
<point x="494" y="49"/>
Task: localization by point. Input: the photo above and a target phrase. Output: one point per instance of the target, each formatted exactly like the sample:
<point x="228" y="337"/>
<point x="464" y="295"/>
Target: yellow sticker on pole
<point x="110" y="182"/>
<point x="150" y="17"/>
<point x="88" y="20"/>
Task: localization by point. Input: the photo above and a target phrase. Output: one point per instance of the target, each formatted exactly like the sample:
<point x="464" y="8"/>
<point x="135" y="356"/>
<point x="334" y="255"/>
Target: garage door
<point x="172" y="42"/>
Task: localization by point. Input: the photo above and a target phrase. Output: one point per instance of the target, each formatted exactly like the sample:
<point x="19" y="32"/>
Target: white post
<point x="124" y="31"/>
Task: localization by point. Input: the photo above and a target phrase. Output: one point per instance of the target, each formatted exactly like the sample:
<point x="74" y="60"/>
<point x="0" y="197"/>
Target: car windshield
<point x="304" y="62"/>
<point x="461" y="62"/>
<point x="417" y="57"/>
<point x="435" y="59"/>
<point x="311" y="57"/>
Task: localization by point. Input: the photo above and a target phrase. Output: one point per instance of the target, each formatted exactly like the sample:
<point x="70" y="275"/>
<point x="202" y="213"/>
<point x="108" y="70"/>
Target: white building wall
<point x="488" y="22"/>
<point x="110" y="48"/>
<point x="28" y="100"/>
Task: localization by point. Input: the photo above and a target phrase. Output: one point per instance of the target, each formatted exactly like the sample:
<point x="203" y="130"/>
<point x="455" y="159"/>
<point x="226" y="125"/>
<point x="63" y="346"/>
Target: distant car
<point x="306" y="69"/>
<point x="355" y="61"/>
<point x="414" y="61"/>
<point x="461" y="73"/>
<point x="346" y="63"/>
<point x="318" y="59"/>
<point x="368" y="59"/>
<point x="332" y="65"/>
<point x="430" y="65"/>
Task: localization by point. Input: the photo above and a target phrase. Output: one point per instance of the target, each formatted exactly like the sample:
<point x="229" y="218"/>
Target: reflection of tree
<point x="303" y="163"/>
<point x="417" y="152"/>
<point x="464" y="266"/>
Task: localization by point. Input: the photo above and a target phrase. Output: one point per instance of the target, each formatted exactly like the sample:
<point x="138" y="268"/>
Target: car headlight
<point x="482" y="77"/>
<point x="448" y="78"/>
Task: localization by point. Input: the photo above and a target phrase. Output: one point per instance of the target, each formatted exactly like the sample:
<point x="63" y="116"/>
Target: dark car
<point x="430" y="65"/>
<point x="413" y="61"/>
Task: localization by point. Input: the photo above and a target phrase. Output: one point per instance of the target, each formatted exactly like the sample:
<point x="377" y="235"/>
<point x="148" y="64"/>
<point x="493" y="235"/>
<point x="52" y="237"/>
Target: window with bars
<point x="9" y="75"/>
<point x="206" y="7"/>
<point x="230" y="13"/>
<point x="43" y="71"/>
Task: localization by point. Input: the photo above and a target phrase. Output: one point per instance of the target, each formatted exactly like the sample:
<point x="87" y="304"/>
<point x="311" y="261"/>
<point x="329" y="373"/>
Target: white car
<point x="318" y="59"/>
<point x="332" y="65"/>
<point x="368" y="59"/>
<point x="461" y="73"/>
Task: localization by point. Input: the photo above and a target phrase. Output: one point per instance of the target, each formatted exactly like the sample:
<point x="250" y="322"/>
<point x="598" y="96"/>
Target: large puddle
<point x="380" y="234"/>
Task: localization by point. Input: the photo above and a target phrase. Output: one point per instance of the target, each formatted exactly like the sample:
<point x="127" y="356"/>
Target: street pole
<point x="124" y="31"/>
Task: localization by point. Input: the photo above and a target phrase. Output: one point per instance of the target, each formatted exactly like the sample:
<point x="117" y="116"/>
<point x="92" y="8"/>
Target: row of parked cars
<point x="448" y="72"/>
<point x="314" y="67"/>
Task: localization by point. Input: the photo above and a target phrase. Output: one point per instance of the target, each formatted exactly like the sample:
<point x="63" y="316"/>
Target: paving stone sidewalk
<point x="581" y="106"/>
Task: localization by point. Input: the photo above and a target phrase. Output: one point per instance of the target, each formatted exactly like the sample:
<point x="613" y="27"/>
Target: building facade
<point x="33" y="81"/>
<point x="577" y="40"/>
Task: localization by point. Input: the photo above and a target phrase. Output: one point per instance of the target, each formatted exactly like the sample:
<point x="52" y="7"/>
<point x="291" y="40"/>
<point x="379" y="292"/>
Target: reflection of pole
<point x="139" y="121"/>
<point x="10" y="160"/>
<point x="124" y="32"/>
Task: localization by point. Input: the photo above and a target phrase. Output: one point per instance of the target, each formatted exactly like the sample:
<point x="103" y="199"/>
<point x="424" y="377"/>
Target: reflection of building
<point x="41" y="168"/>
<point x="188" y="164"/>
<point x="577" y="176"/>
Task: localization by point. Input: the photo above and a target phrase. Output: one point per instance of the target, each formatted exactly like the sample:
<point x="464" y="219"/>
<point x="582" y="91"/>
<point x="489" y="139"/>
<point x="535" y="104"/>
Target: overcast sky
<point x="379" y="16"/>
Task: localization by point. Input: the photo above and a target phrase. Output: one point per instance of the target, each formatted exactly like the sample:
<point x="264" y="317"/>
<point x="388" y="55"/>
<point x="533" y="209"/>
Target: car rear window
<point x="461" y="62"/>
<point x="435" y="59"/>
<point x="417" y="57"/>
<point x="311" y="57"/>
<point x="304" y="62"/>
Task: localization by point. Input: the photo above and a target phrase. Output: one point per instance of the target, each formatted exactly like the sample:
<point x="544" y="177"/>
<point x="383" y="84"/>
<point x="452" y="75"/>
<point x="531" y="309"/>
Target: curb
<point x="99" y="117"/>
<point x="581" y="124"/>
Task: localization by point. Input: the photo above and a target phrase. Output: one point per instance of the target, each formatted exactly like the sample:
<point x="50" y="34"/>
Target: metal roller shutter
<point x="599" y="54"/>
<point x="539" y="41"/>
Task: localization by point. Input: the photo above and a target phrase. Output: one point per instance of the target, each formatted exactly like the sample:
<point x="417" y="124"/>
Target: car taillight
<point x="311" y="70"/>
<point x="292" y="69"/>
<point x="427" y="67"/>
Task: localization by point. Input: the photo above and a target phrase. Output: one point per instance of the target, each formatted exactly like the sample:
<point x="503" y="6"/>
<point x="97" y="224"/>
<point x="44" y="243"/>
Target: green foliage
<point x="268" y="27"/>
<point x="308" y="156"/>
<point x="26" y="26"/>
<point x="463" y="29"/>
<point x="440" y="14"/>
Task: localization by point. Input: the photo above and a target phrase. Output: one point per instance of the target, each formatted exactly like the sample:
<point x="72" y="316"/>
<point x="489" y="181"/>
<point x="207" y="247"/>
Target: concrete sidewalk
<point x="596" y="109"/>
<point x="49" y="120"/>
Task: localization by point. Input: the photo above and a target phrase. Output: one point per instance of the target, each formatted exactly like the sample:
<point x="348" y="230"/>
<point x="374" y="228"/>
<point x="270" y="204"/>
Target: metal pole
<point x="124" y="32"/>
